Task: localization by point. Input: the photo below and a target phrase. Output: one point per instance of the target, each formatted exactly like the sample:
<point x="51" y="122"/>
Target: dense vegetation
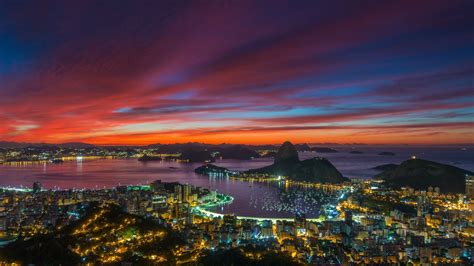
<point x="422" y="174"/>
<point x="100" y="235"/>
<point x="287" y="163"/>
<point x="246" y="256"/>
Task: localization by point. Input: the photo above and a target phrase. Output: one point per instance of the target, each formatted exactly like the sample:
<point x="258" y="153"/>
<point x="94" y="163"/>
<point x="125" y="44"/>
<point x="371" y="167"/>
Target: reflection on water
<point x="110" y="173"/>
<point x="250" y="199"/>
<point x="294" y="200"/>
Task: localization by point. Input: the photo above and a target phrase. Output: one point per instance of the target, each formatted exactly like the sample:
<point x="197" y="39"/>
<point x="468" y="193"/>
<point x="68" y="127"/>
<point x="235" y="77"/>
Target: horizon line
<point x="248" y="144"/>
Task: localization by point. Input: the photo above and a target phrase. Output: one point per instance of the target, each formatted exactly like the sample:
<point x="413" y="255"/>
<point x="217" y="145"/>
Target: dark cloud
<point x="88" y="69"/>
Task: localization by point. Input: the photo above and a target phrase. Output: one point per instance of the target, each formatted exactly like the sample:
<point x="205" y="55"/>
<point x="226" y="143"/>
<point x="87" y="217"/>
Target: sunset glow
<point x="237" y="72"/>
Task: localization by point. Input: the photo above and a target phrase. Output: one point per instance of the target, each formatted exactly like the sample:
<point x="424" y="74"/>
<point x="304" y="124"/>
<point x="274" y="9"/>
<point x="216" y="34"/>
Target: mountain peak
<point x="287" y="153"/>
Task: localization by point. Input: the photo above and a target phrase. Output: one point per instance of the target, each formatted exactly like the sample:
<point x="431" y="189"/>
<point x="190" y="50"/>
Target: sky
<point x="140" y="72"/>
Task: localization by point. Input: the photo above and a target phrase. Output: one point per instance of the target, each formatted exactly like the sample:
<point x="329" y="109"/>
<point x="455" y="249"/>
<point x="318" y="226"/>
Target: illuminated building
<point x="470" y="186"/>
<point x="3" y="225"/>
<point x="300" y="220"/>
<point x="181" y="212"/>
<point x="158" y="202"/>
<point x="178" y="193"/>
<point x="266" y="229"/>
<point x="36" y="187"/>
<point x="230" y="220"/>
<point x="133" y="205"/>
<point x="186" y="193"/>
<point x="157" y="186"/>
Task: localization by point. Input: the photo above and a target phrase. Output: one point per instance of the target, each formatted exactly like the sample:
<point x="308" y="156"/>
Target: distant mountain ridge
<point x="385" y="167"/>
<point x="226" y="151"/>
<point x="238" y="152"/>
<point x="15" y="145"/>
<point x="324" y="150"/>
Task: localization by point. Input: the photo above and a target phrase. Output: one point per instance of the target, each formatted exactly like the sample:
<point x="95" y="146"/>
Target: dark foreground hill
<point x="109" y="236"/>
<point x="287" y="163"/>
<point x="95" y="238"/>
<point x="240" y="256"/>
<point x="422" y="174"/>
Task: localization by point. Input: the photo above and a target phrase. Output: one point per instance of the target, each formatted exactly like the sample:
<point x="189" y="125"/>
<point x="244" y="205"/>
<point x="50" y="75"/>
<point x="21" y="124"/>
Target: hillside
<point x="196" y="156"/>
<point x="287" y="163"/>
<point x="317" y="169"/>
<point x="208" y="169"/>
<point x="95" y="238"/>
<point x="421" y="174"/>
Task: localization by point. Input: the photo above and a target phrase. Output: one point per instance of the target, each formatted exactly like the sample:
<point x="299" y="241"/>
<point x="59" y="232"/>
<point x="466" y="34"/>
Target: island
<point x="356" y="152"/>
<point x="387" y="153"/>
<point x="422" y="174"/>
<point x="288" y="164"/>
<point x="211" y="169"/>
<point x="323" y="150"/>
<point x="147" y="158"/>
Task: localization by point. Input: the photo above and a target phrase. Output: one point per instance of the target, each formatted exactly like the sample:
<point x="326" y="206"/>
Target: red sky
<point x="237" y="72"/>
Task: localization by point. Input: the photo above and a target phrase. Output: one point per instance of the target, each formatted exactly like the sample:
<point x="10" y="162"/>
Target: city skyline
<point x="254" y="73"/>
<point x="177" y="132"/>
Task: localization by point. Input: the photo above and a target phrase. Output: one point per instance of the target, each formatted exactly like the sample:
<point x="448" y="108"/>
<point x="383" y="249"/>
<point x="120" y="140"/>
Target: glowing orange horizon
<point x="234" y="73"/>
<point x="272" y="137"/>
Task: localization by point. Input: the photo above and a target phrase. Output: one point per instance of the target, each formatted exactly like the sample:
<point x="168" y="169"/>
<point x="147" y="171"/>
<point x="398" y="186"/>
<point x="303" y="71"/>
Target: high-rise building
<point x="470" y="186"/>
<point x="3" y="225"/>
<point x="187" y="193"/>
<point x="133" y="205"/>
<point x="178" y="193"/>
<point x="348" y="217"/>
<point x="157" y="185"/>
<point x="36" y="187"/>
<point x="181" y="212"/>
<point x="300" y="220"/>
<point x="230" y="220"/>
